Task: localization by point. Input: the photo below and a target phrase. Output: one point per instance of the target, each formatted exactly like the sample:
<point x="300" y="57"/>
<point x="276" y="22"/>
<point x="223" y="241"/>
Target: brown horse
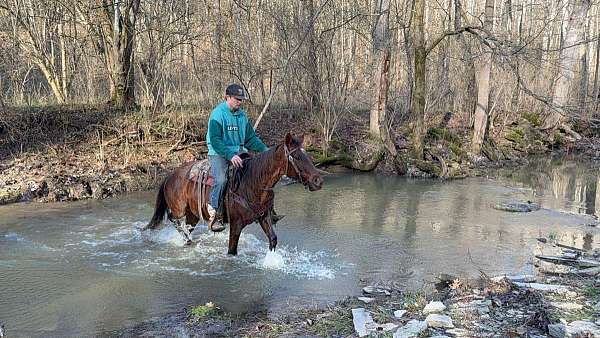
<point x="248" y="199"/>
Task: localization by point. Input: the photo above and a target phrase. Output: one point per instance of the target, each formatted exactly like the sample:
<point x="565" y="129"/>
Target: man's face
<point x="233" y="103"/>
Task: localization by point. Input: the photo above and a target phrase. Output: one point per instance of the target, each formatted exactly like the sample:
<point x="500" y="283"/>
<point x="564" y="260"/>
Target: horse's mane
<point x="254" y="172"/>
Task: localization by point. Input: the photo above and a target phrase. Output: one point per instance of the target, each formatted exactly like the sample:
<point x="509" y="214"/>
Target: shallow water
<point x="83" y="268"/>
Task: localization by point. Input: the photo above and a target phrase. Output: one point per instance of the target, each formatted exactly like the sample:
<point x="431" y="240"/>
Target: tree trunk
<point x="583" y="79"/>
<point x="556" y="114"/>
<point x="484" y="67"/>
<point x="420" y="86"/>
<point x="314" y="84"/>
<point x="124" y="19"/>
<point x="381" y="60"/>
<point x="596" y="89"/>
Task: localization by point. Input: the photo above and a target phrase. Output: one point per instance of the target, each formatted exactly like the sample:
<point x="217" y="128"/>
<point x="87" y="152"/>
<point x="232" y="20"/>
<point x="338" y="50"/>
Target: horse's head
<point x="299" y="165"/>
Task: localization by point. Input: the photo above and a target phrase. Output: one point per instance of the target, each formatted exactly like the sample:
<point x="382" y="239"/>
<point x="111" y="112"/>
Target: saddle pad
<point x="200" y="170"/>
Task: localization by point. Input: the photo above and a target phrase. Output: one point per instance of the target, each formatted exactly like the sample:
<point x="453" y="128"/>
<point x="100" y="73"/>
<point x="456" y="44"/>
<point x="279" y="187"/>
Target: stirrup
<point x="216" y="225"/>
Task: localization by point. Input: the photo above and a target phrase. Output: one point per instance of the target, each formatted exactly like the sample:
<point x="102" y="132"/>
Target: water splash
<point x="14" y="237"/>
<point x="165" y="235"/>
<point x="163" y="250"/>
<point x="273" y="260"/>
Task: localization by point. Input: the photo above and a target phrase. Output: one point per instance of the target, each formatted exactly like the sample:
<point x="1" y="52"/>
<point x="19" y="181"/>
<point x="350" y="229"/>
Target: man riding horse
<point x="229" y="134"/>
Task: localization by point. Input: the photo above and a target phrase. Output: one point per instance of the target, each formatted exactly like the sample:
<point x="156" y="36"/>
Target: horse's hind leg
<point x="182" y="228"/>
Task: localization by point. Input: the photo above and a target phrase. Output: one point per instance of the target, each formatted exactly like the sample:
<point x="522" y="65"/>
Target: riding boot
<point x="215" y="222"/>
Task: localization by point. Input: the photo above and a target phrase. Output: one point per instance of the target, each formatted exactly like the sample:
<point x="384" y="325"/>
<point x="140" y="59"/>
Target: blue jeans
<point x="218" y="170"/>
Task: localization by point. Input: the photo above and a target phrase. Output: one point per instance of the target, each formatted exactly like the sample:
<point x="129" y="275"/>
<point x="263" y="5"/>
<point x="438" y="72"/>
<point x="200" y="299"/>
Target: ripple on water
<point x="14" y="237"/>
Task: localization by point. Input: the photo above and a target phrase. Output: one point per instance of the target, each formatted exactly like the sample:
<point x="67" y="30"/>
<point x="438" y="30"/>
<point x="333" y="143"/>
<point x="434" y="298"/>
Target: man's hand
<point x="236" y="161"/>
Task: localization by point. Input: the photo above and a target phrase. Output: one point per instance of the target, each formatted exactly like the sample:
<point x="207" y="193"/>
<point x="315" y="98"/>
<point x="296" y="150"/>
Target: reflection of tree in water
<point x="565" y="184"/>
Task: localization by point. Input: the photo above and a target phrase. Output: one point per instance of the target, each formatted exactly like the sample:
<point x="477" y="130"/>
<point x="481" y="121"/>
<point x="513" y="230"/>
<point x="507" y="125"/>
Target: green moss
<point x="558" y="137"/>
<point x="443" y="134"/>
<point x="532" y="118"/>
<point x="591" y="291"/>
<point x="457" y="150"/>
<point x="515" y="135"/>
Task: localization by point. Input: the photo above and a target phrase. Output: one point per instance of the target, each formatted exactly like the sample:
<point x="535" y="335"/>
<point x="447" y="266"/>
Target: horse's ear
<point x="289" y="139"/>
<point x="300" y="139"/>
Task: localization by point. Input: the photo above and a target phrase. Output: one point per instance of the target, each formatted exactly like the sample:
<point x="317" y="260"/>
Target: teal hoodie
<point x="228" y="133"/>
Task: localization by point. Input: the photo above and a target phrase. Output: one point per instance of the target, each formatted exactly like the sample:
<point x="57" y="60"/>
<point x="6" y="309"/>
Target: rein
<point x="259" y="210"/>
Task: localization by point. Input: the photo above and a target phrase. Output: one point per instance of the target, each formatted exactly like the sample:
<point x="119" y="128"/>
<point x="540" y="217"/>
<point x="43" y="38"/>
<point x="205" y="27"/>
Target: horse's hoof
<point x="277" y="218"/>
<point x="217" y="227"/>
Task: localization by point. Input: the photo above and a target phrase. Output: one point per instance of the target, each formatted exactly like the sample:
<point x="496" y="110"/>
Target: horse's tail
<point x="160" y="208"/>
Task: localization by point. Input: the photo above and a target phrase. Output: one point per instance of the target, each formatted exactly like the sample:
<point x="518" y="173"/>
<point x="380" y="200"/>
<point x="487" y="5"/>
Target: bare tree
<point x="117" y="29"/>
<point x="484" y="66"/>
<point x="381" y="67"/>
<point x="39" y="28"/>
<point x="556" y="114"/>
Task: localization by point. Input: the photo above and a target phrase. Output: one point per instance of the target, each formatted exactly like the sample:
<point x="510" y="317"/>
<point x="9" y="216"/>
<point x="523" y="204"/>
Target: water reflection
<point x="565" y="184"/>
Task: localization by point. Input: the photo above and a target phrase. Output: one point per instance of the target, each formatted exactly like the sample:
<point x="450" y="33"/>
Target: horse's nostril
<point x="317" y="180"/>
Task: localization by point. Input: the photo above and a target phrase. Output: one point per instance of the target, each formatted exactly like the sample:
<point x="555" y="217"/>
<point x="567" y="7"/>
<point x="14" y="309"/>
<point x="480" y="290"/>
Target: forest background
<point x="416" y="83"/>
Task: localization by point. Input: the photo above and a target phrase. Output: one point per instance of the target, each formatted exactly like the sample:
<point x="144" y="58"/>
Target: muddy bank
<point x="79" y="152"/>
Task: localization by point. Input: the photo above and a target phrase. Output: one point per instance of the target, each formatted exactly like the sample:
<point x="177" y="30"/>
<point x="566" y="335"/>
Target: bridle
<point x="290" y="160"/>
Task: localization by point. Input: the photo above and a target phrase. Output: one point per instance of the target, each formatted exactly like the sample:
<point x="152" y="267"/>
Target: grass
<point x="339" y="322"/>
<point x="413" y="301"/>
<point x="591" y="291"/>
<point x="204" y="311"/>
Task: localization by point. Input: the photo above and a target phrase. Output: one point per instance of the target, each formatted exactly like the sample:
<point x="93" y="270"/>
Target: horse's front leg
<point x="235" y="231"/>
<point x="267" y="226"/>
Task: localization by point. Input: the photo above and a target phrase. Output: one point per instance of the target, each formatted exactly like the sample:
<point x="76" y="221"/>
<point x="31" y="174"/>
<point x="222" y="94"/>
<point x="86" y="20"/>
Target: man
<point x="229" y="133"/>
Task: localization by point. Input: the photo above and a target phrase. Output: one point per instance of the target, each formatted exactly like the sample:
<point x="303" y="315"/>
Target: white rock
<point x="366" y="300"/>
<point x="578" y="328"/>
<point x="517" y="278"/>
<point x="376" y="291"/>
<point x="434" y="307"/>
<point x="560" y="289"/>
<point x="412" y="329"/>
<point x="399" y="313"/>
<point x="459" y="333"/>
<point x="374" y="327"/>
<point x="567" y="306"/>
<point x="361" y="318"/>
<point x="439" y="337"/>
<point x="590" y="271"/>
<point x="439" y="321"/>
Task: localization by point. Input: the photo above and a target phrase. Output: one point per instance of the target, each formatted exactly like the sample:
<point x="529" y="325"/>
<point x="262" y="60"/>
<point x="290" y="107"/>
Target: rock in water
<point x="516" y="206"/>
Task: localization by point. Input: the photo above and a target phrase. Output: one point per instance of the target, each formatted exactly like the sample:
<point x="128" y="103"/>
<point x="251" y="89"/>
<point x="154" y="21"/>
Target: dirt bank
<point x="78" y="152"/>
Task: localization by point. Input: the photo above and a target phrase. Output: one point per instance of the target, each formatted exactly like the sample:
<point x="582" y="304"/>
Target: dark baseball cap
<point x="236" y="91"/>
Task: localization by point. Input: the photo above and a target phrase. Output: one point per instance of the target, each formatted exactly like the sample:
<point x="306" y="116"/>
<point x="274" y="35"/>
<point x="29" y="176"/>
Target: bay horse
<point x="248" y="199"/>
